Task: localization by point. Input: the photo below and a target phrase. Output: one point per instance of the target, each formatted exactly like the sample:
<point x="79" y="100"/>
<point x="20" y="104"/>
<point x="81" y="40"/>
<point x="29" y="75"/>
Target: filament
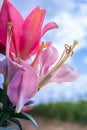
<point x="9" y="34"/>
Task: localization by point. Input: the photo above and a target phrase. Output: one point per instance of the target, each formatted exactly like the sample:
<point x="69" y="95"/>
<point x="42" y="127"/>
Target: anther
<point x="67" y="48"/>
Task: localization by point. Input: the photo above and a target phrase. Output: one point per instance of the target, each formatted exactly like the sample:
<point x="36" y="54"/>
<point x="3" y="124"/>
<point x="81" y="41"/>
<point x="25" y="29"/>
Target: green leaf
<point x="1" y="114"/>
<point x="26" y="116"/>
<point x="1" y="95"/>
<point x="16" y="122"/>
<point x="29" y="103"/>
<point x="29" y="117"/>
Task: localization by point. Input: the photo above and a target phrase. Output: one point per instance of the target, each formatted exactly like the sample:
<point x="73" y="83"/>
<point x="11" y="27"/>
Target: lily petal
<point x="9" y="13"/>
<point x="3" y="23"/>
<point x="13" y="67"/>
<point x="31" y="33"/>
<point x="65" y="74"/>
<point x="49" y="26"/>
<point x="47" y="58"/>
<point x="14" y="86"/>
<point x="24" y="88"/>
<point x="17" y="22"/>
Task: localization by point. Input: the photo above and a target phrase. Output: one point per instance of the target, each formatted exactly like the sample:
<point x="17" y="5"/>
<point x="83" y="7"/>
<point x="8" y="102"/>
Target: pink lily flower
<point x="25" y="42"/>
<point x="26" y="33"/>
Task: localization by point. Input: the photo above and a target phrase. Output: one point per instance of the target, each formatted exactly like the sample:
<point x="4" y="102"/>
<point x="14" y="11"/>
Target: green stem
<point x="5" y="85"/>
<point x="5" y="99"/>
<point x="3" y="121"/>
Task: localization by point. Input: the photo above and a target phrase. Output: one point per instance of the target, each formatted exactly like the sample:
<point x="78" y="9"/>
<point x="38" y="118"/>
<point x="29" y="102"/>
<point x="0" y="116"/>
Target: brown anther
<point x="67" y="48"/>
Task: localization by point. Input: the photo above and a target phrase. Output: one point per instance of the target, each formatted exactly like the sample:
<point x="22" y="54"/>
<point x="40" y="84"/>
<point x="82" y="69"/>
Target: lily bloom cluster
<point x="29" y="63"/>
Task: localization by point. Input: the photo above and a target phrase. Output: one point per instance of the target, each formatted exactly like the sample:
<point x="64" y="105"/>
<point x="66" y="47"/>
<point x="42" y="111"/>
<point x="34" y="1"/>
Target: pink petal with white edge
<point x="49" y="26"/>
<point x="31" y="33"/>
<point x="64" y="74"/>
<point x="47" y="58"/>
<point x="25" y="85"/>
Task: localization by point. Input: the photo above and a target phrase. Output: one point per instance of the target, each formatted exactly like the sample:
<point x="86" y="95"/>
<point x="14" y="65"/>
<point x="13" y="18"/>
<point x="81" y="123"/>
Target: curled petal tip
<point x="55" y="24"/>
<point x="49" y="26"/>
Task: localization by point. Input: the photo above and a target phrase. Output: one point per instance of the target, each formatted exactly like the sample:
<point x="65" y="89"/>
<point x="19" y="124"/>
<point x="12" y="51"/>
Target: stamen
<point x="9" y="34"/>
<point x="14" y="45"/>
<point x="43" y="45"/>
<point x="66" y="53"/>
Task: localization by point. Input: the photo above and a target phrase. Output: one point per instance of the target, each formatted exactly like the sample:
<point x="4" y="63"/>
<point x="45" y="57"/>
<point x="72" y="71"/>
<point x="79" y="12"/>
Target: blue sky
<point x="71" y="16"/>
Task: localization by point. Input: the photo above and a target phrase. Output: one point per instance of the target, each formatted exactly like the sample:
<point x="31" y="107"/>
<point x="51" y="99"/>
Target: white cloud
<point x="83" y="9"/>
<point x="80" y="84"/>
<point x="71" y="28"/>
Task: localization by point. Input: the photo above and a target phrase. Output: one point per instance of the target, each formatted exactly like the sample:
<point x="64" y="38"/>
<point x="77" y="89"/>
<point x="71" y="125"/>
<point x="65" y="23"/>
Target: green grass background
<point x="65" y="111"/>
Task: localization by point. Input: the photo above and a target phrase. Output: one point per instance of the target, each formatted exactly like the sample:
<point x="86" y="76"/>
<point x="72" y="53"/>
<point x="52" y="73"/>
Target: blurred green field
<point x="64" y="111"/>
